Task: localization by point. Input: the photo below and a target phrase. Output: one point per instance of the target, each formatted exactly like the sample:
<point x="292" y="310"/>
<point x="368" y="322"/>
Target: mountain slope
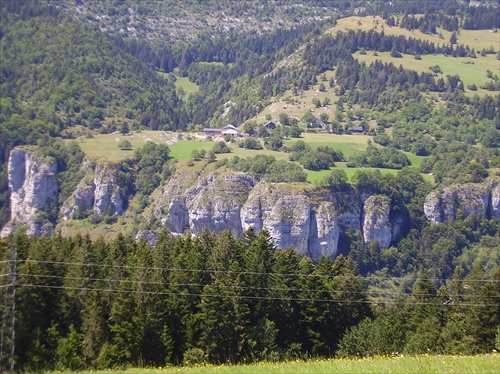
<point x="56" y="73"/>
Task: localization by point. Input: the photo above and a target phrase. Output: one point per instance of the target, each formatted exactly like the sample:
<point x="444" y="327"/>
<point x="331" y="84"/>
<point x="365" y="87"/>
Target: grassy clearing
<point x="184" y="83"/>
<point x="420" y="364"/>
<point x="470" y="70"/>
<point x="477" y="39"/>
<point x="182" y="150"/>
<point x="314" y="176"/>
<point x="348" y="144"/>
<point x="297" y="105"/>
<point x="188" y="86"/>
<point x="105" y="147"/>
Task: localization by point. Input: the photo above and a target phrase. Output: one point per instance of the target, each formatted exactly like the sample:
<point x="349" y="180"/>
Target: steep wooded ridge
<point x="249" y="249"/>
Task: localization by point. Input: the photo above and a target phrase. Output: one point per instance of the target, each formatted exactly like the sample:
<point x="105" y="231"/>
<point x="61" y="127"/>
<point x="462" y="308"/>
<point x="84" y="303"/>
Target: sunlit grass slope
<point x="421" y="365"/>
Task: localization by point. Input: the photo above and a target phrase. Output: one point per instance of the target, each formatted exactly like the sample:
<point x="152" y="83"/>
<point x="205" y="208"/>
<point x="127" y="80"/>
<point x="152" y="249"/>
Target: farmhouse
<point x="212" y="132"/>
<point x="231" y="130"/>
<point x="270" y="125"/>
<point x="357" y="130"/>
<point x="316" y="122"/>
<point x="228" y="129"/>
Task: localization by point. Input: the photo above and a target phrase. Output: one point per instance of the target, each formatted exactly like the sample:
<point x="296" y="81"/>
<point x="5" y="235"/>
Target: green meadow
<point x="481" y="364"/>
<point x="184" y="83"/>
<point x="477" y="39"/>
<point x="470" y="70"/>
<point x="188" y="86"/>
<point x="105" y="148"/>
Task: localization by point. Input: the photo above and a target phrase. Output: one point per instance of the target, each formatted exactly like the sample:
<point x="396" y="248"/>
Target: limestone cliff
<point x="33" y="188"/>
<point x="482" y="199"/>
<point x="34" y="193"/>
<point x="376" y="225"/>
<point x="98" y="191"/>
<point x="311" y="220"/>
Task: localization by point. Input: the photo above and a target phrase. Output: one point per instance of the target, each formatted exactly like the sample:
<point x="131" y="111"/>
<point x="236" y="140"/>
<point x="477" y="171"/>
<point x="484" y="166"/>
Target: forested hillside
<point x="354" y="200"/>
<point x="218" y="299"/>
<point x="60" y="77"/>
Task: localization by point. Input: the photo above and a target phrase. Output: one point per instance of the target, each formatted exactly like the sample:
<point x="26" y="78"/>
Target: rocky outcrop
<point x="33" y="188"/>
<point x="107" y="193"/>
<point x="481" y="199"/>
<point x="376" y="224"/>
<point x="213" y="203"/>
<point x="312" y="221"/>
<point x="99" y="192"/>
<point x="495" y="198"/>
<point x="148" y="236"/>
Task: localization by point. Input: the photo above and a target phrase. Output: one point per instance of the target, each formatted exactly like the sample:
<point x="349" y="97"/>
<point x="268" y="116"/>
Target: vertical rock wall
<point x="33" y="186"/>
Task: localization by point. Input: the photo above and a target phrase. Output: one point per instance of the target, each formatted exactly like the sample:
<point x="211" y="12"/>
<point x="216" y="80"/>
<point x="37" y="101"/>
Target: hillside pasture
<point x="188" y="86"/>
<point x="182" y="150"/>
<point x="470" y="70"/>
<point x="348" y="144"/>
<point x="105" y="146"/>
<point x="477" y="39"/>
<point x="184" y="83"/>
<point x="297" y="105"/>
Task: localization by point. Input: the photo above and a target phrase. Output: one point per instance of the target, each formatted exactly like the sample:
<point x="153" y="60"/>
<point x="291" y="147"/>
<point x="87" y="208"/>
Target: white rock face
<point x="309" y="220"/>
<point x="432" y="208"/>
<point x="33" y="185"/>
<point x="289" y="222"/>
<point x="215" y="203"/>
<point x="376" y="225"/>
<point x="82" y="200"/>
<point x="481" y="199"/>
<point x="99" y="191"/>
<point x="313" y="229"/>
<point x="107" y="196"/>
<point x="148" y="236"/>
<point x="324" y="231"/>
<point x="495" y="199"/>
<point x="178" y="216"/>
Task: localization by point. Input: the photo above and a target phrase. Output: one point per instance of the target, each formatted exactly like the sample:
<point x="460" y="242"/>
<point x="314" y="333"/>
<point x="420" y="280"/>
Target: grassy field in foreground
<point x="421" y="364"/>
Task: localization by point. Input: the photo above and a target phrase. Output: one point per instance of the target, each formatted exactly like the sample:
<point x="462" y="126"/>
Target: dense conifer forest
<point x="73" y="69"/>
<point x="218" y="299"/>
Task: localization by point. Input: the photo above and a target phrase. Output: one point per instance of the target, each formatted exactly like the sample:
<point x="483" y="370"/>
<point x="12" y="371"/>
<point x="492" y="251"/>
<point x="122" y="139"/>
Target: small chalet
<point x="317" y="123"/>
<point x="228" y="129"/>
<point x="270" y="125"/>
<point x="208" y="131"/>
<point x="231" y="130"/>
<point x="357" y="130"/>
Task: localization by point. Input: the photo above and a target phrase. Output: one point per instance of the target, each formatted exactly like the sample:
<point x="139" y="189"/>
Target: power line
<point x="214" y="271"/>
<point x="338" y="301"/>
<point x="223" y="286"/>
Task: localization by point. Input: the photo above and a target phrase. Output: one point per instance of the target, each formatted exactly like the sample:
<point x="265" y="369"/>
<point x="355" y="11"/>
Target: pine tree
<point x="224" y="314"/>
<point x="284" y="290"/>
